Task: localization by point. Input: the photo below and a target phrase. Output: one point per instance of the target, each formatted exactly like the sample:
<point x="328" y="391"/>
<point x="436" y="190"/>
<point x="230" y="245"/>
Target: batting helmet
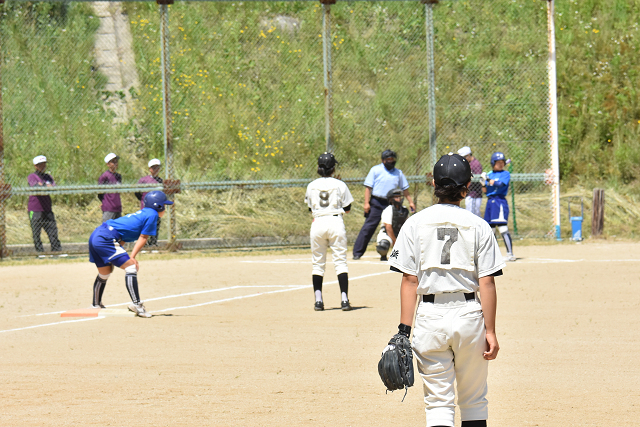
<point x="327" y="161"/>
<point x="156" y="200"/>
<point x="388" y="153"/>
<point x="496" y="156"/>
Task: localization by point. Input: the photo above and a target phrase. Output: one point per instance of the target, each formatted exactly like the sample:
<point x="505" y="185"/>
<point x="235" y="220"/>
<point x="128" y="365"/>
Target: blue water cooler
<point x="576" y="221"/>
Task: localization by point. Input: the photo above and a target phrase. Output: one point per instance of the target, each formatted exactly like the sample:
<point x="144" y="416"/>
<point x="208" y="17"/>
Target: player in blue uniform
<point x="496" y="185"/>
<point x="106" y="251"/>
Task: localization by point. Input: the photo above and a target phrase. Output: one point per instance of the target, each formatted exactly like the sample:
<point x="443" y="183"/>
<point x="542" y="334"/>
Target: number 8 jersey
<point x="327" y="196"/>
<point x="448" y="248"/>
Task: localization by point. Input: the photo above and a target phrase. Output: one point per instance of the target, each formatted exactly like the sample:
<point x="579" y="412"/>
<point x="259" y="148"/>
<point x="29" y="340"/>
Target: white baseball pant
<point x="328" y="232"/>
<point x="472" y="204"/>
<point x="449" y="328"/>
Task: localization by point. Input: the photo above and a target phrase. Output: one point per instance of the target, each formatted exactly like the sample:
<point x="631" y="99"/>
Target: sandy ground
<point x="235" y="342"/>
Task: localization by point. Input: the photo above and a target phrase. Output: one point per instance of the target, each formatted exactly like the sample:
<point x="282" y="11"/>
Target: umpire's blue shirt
<point x="382" y="180"/>
<point x="131" y="226"/>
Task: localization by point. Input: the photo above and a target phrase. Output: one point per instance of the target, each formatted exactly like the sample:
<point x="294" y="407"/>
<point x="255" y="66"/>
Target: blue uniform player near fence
<point x="496" y="185"/>
<point x="381" y="179"/>
<point x="106" y="248"/>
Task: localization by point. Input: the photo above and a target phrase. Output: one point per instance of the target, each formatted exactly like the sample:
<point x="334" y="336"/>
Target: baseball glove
<point x="396" y="365"/>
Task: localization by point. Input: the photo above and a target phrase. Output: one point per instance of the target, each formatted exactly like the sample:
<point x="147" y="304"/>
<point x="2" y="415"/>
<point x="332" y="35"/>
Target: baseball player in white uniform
<point x="447" y="256"/>
<point x="328" y="199"/>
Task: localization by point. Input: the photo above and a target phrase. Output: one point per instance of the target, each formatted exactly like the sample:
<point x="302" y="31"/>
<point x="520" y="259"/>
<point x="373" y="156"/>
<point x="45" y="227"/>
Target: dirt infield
<point x="235" y="342"/>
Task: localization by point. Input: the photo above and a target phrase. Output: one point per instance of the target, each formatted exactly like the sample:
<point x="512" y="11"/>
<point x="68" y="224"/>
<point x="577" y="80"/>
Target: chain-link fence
<point x="257" y="91"/>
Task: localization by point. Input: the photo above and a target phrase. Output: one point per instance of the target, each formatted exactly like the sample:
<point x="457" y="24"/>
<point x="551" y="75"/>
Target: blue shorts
<point x="105" y="249"/>
<point x="497" y="211"/>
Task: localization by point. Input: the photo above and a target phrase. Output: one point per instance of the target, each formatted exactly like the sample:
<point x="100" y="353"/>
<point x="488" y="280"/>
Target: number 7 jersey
<point x="448" y="248"/>
<point x="327" y="196"/>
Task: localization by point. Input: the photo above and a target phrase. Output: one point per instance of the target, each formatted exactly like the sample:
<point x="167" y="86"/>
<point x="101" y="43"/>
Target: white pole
<point x="553" y="118"/>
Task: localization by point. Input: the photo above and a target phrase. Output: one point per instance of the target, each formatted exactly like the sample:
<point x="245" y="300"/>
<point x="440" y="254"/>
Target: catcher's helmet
<point x="393" y="193"/>
<point x="388" y="153"/>
<point x="327" y="161"/>
<point x="156" y="200"/>
<point x="497" y="156"/>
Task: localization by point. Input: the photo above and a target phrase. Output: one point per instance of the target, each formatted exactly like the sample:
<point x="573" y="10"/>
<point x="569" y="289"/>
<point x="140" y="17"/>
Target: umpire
<point x="381" y="179"/>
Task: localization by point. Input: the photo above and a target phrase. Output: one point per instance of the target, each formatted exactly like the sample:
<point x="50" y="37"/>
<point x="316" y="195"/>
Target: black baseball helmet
<point x="327" y="161"/>
<point x="452" y="169"/>
<point x="388" y="153"/>
<point x="393" y="193"/>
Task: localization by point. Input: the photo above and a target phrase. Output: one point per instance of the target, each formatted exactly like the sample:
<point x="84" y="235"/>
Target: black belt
<point x="431" y="297"/>
<point x="380" y="199"/>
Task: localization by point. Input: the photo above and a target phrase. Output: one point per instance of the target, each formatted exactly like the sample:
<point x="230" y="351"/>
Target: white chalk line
<point x="52" y="324"/>
<point x="287" y="288"/>
<point x="266" y="293"/>
<point x="174" y="296"/>
<point x="556" y="261"/>
<point x="307" y="262"/>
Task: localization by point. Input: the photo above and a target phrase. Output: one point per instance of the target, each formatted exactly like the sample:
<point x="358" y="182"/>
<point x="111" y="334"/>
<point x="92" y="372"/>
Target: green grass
<point x="248" y="101"/>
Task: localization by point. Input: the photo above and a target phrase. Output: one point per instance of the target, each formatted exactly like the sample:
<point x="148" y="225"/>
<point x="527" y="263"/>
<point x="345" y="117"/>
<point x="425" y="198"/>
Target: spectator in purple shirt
<point x="40" y="214"/>
<point x="474" y="197"/>
<point x="111" y="204"/>
<point x="152" y="178"/>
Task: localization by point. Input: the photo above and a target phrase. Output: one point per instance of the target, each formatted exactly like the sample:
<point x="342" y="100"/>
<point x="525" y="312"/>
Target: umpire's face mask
<point x="389" y="164"/>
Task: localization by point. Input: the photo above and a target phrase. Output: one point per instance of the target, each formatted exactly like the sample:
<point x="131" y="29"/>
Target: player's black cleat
<point x="319" y="306"/>
<point x="346" y="306"/>
<point x="357" y="257"/>
<point x="383" y="258"/>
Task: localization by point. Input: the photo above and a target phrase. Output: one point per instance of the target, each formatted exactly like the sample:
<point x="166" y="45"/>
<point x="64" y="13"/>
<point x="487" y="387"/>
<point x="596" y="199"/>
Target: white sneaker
<point x="139" y="310"/>
<point x="511" y="257"/>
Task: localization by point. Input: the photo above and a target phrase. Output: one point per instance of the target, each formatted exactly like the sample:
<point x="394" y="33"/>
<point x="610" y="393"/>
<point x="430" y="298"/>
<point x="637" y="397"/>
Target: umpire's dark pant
<point x="370" y="225"/>
<point x="46" y="220"/>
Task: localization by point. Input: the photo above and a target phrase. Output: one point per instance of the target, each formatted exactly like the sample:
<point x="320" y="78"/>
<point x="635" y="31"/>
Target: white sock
<point x="344" y="297"/>
<point x="318" y="296"/>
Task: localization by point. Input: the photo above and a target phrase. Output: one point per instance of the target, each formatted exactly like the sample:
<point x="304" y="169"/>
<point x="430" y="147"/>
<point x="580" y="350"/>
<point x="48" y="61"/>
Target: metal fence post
<point x="5" y="191"/>
<point x="167" y="116"/>
<point x="328" y="74"/>
<point x="553" y="119"/>
<point x="428" y="6"/>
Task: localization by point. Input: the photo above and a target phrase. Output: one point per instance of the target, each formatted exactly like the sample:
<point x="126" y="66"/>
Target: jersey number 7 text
<point x="445" y="258"/>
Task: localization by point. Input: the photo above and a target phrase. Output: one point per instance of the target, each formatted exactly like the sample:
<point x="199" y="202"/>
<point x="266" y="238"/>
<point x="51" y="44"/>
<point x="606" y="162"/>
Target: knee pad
<point x="104" y="277"/>
<point x="131" y="269"/>
<point x="383" y="247"/>
<point x="503" y="229"/>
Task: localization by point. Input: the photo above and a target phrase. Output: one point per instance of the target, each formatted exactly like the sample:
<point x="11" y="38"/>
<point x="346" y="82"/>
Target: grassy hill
<point x="248" y="93"/>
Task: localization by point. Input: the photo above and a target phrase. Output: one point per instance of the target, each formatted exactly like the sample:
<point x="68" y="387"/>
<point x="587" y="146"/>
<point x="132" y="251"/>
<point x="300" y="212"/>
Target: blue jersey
<point x="382" y="180"/>
<point x="131" y="226"/>
<point x="501" y="185"/>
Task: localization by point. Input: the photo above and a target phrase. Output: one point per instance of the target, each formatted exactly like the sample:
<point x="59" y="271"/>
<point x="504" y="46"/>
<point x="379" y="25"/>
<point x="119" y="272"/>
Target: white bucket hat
<point x="39" y="159"/>
<point x="110" y="157"/>
<point x="464" y="151"/>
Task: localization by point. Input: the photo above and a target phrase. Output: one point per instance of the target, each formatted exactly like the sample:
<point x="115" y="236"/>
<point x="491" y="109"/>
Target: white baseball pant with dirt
<point x="328" y="232"/>
<point x="449" y="329"/>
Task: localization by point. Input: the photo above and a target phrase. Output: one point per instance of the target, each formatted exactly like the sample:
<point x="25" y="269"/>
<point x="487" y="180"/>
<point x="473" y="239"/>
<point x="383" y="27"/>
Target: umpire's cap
<point x="388" y="153"/>
<point x="156" y="200"/>
<point x="452" y="169"/>
<point x="327" y="161"/>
